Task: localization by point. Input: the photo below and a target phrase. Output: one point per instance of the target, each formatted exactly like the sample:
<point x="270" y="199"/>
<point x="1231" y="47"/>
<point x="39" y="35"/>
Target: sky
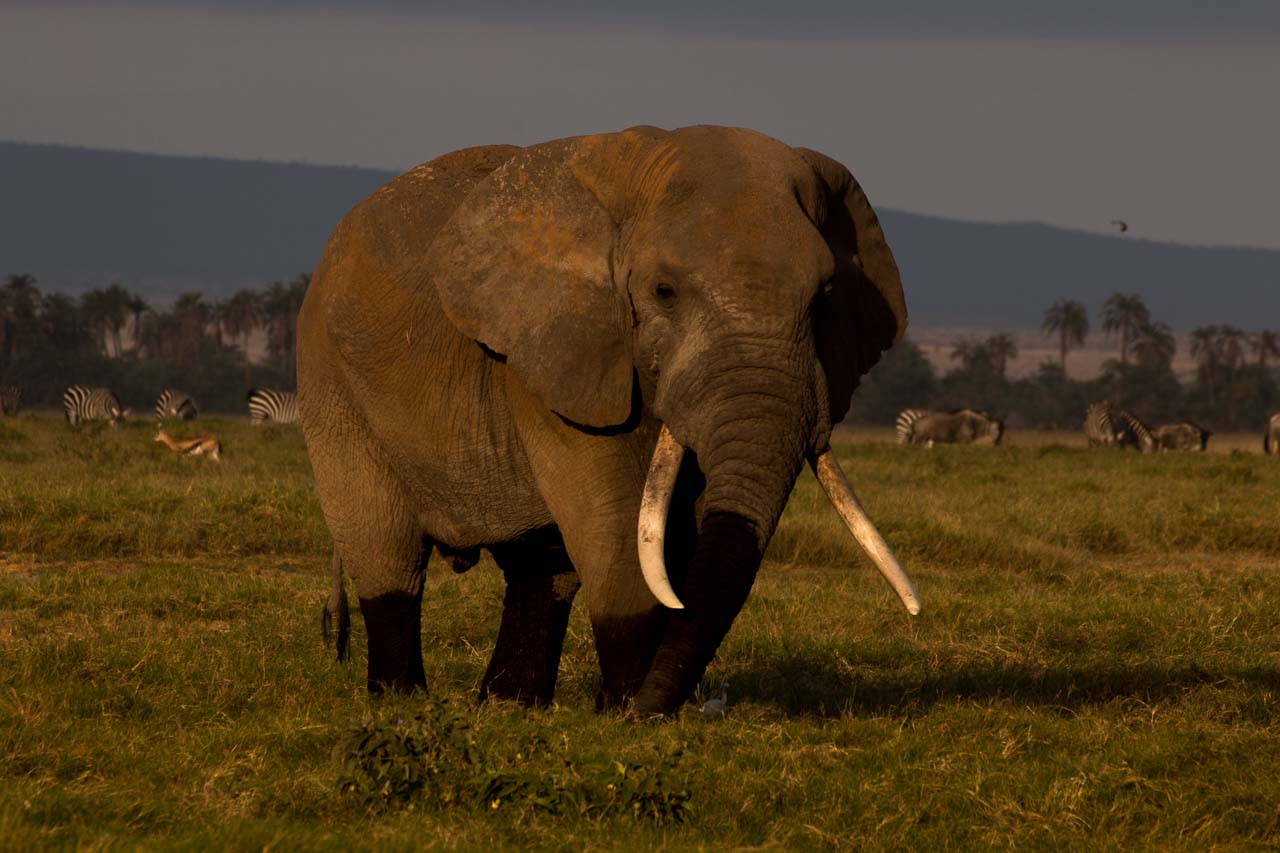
<point x="1163" y="113"/>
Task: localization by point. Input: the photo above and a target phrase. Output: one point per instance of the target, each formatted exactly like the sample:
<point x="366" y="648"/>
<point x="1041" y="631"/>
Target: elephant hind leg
<point x="541" y="584"/>
<point x="381" y="548"/>
<point x="393" y="622"/>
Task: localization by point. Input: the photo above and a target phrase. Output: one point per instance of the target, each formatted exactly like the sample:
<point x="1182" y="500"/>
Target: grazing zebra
<point x="91" y="404"/>
<point x="175" y="404"/>
<point x="1107" y="426"/>
<point x="961" y="426"/>
<point x="1183" y="436"/>
<point x="267" y="404"/>
<point x="1099" y="425"/>
<point x="1135" y="433"/>
<point x="1271" y="439"/>
<point x="10" y="399"/>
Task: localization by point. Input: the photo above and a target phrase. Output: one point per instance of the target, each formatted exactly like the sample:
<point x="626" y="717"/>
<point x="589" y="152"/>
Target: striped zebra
<point x="961" y="426"/>
<point x="10" y="400"/>
<point x="1271" y="439"/>
<point x="174" y="404"/>
<point x="267" y="404"/>
<point x="906" y="421"/>
<point x="1136" y="434"/>
<point x="91" y="404"/>
<point x="1108" y="426"/>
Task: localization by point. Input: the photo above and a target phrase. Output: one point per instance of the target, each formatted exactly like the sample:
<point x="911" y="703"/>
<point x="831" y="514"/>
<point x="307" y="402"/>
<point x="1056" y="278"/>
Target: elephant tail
<point x="336" y="609"/>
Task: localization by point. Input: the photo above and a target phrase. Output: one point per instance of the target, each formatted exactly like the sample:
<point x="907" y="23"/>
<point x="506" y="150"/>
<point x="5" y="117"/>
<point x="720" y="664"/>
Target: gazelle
<point x="201" y="444"/>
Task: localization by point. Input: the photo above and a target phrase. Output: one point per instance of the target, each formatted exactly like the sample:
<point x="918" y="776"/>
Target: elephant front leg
<point x="541" y="584"/>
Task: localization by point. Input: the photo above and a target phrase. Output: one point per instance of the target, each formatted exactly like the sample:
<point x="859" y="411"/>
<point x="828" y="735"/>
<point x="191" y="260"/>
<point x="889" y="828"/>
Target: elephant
<point x="604" y="359"/>
<point x="1271" y="438"/>
<point x="1183" y="435"/>
<point x="959" y="426"/>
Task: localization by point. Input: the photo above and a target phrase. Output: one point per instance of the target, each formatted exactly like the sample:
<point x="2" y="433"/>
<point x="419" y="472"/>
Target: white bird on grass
<point x="715" y="709"/>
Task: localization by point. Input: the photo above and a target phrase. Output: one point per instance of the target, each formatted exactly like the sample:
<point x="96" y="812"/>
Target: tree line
<point x="111" y="336"/>
<point x="1234" y="386"/>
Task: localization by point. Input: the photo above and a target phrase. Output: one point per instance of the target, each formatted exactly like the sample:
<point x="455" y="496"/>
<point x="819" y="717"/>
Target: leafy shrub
<point x="402" y="759"/>
<point x="436" y="760"/>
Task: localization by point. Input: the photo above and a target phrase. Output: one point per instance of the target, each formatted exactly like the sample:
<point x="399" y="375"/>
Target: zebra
<point x="1183" y="435"/>
<point x="175" y="404"/>
<point x="267" y="404"/>
<point x="10" y="400"/>
<point x="1108" y="426"/>
<point x="1135" y="433"/>
<point x="91" y="404"/>
<point x="1271" y="438"/>
<point x="960" y="426"/>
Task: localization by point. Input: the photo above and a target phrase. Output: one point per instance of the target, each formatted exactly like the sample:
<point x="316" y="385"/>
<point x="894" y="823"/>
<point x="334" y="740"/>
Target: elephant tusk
<point x="836" y="485"/>
<point x="658" y="486"/>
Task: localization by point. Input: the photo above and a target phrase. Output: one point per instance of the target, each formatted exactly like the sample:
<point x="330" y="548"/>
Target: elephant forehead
<point x="750" y="237"/>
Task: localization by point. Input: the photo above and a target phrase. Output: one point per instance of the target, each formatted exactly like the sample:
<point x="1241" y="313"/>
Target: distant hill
<point x="77" y="218"/>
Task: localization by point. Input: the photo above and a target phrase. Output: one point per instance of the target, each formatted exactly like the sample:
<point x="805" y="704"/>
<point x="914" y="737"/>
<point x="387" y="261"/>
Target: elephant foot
<point x="393" y="623"/>
<point x="535" y="618"/>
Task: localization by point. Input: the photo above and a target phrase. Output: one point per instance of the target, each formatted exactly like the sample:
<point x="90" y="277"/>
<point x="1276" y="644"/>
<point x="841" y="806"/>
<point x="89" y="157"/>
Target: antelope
<point x="201" y="444"/>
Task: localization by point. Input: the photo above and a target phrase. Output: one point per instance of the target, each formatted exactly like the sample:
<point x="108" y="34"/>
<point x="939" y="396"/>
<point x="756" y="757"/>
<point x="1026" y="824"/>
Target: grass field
<point x="1097" y="664"/>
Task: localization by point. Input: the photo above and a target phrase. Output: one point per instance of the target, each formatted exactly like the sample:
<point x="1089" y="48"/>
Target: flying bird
<point x="1120" y="225"/>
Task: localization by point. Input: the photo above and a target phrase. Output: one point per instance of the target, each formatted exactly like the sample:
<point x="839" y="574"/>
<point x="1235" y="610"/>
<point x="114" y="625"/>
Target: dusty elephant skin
<point x="494" y="341"/>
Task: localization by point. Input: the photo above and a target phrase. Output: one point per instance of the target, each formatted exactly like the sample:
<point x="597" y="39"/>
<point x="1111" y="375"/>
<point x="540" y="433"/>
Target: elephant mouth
<point x="656" y="500"/>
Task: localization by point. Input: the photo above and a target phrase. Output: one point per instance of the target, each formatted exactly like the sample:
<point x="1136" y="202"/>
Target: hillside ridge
<point x="162" y="224"/>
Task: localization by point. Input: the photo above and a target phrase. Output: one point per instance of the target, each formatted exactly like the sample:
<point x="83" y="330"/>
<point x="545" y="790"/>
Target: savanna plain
<point x="1097" y="666"/>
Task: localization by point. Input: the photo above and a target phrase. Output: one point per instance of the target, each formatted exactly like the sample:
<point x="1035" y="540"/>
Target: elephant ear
<point x="524" y="267"/>
<point x="864" y="312"/>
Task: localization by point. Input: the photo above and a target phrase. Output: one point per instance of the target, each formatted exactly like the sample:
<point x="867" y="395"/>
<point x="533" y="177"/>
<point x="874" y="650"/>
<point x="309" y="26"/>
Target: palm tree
<point x="137" y="307"/>
<point x="1070" y="322"/>
<point x="191" y="315"/>
<point x="968" y="352"/>
<point x="106" y="312"/>
<point x="1267" y="345"/>
<point x="1231" y="343"/>
<point x="1204" y="349"/>
<point x="280" y="306"/>
<point x="1155" y="346"/>
<point x="1000" y="348"/>
<point x="1125" y="313"/>
<point x="62" y="325"/>
<point x="19" y="312"/>
<point x="103" y="314"/>
<point x="240" y="315"/>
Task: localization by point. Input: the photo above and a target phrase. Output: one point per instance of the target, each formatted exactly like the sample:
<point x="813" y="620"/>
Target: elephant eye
<point x="665" y="294"/>
<point x="828" y="287"/>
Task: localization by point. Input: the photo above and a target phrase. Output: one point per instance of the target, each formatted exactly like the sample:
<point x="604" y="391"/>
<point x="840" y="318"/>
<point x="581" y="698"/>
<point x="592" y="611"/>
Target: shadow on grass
<point x="806" y="685"/>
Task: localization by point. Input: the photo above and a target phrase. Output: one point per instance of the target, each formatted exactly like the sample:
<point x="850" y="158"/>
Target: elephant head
<point x="714" y="280"/>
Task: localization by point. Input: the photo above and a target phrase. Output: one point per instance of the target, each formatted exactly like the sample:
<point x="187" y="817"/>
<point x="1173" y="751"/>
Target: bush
<point x="436" y="760"/>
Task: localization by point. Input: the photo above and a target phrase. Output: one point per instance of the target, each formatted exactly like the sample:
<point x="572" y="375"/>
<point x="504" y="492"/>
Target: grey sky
<point x="1158" y="113"/>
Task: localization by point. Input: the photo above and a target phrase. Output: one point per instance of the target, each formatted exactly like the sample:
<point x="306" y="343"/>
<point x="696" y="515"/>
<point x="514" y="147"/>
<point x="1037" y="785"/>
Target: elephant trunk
<point x="750" y="466"/>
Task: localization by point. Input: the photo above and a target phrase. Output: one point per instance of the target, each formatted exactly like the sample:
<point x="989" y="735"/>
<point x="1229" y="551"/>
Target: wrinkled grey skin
<point x="1182" y="436"/>
<point x="493" y="340"/>
<point x="1271" y="438"/>
<point x="963" y="426"/>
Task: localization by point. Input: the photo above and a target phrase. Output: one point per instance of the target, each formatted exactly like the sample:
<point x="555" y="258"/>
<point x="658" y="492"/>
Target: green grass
<point x="1097" y="664"/>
